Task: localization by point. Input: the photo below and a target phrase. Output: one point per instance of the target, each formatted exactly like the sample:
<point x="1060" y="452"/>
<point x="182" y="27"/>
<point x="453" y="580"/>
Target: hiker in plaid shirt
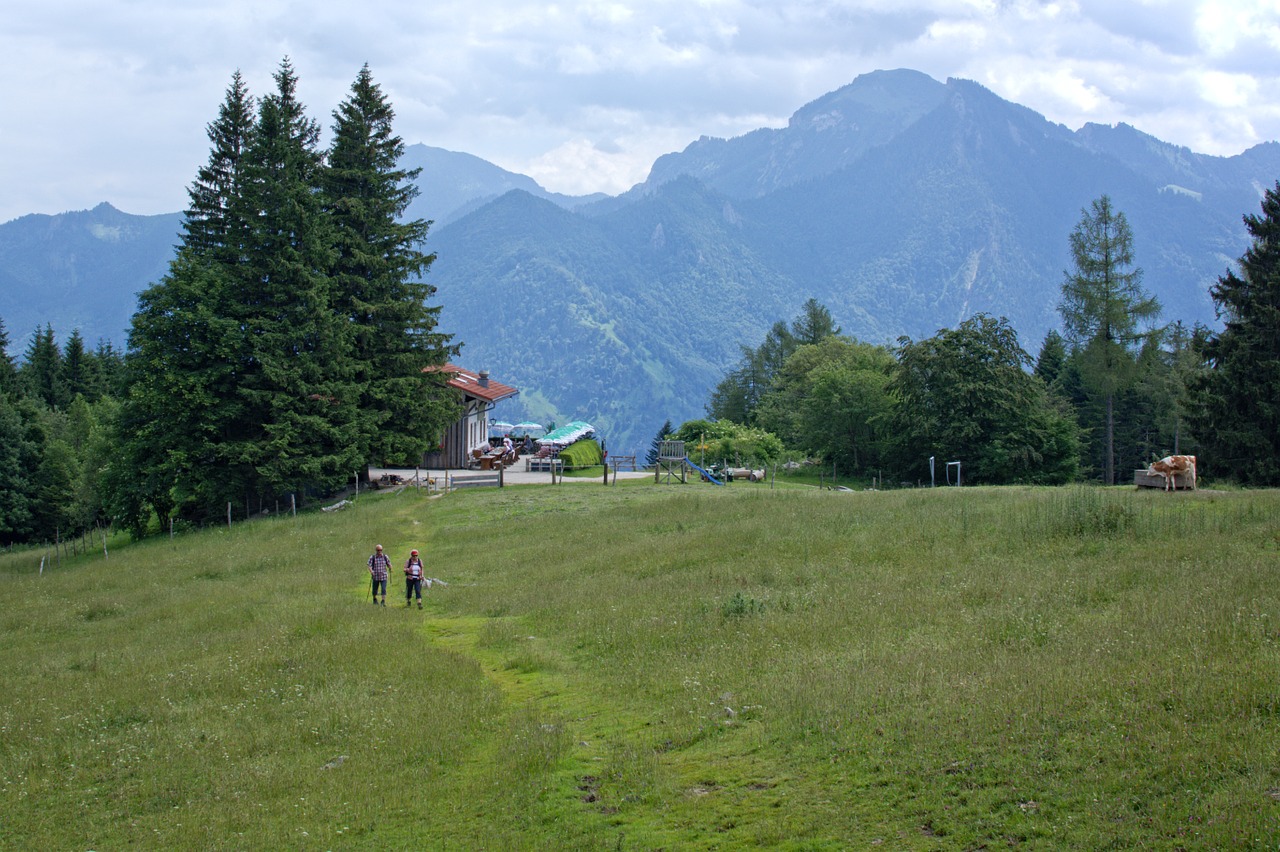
<point x="379" y="565"/>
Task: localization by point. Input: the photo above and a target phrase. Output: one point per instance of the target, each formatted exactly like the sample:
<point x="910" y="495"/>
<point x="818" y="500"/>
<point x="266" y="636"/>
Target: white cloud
<point x="584" y="94"/>
<point x="1229" y="91"/>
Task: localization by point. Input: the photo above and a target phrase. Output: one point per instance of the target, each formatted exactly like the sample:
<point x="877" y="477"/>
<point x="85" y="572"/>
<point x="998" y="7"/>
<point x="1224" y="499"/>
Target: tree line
<point x="1115" y="391"/>
<point x="55" y="407"/>
<point x="283" y="350"/>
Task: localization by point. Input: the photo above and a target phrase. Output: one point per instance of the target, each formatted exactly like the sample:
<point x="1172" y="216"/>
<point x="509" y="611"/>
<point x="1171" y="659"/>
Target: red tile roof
<point x="468" y="381"/>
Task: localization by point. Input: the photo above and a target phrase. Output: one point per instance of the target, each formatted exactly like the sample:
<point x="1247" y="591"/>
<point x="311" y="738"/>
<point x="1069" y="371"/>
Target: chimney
<point x="484" y="378"/>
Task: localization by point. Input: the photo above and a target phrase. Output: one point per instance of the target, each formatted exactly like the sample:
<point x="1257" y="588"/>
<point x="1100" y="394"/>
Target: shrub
<point x="584" y="453"/>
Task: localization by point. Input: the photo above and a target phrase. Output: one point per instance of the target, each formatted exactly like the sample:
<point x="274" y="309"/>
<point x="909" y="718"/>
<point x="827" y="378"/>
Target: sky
<point x="110" y="100"/>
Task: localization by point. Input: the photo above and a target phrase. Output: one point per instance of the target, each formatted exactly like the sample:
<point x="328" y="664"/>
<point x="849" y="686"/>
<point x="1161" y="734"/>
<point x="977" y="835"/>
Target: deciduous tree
<point x="966" y="394"/>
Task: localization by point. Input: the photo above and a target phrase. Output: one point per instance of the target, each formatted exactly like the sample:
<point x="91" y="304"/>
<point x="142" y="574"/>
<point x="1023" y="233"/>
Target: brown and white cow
<point x="1170" y="466"/>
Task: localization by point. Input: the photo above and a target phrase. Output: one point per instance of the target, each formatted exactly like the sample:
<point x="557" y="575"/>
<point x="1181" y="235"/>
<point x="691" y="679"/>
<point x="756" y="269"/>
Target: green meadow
<point x="659" y="667"/>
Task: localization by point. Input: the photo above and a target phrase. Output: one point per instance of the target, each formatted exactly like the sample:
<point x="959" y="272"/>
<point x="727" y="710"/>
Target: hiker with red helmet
<point x="413" y="579"/>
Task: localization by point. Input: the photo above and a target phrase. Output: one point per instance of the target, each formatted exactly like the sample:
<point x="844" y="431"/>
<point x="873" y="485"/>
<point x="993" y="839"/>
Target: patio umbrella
<point x="527" y="428"/>
<point x="497" y="427"/>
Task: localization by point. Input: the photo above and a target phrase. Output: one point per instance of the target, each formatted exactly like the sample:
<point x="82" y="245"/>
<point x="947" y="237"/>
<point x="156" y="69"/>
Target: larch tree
<point x="1236" y="398"/>
<point x="814" y="324"/>
<point x="1103" y="304"/>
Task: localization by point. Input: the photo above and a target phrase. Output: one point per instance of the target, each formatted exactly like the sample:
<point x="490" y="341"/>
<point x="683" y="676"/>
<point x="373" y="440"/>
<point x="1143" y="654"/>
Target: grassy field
<point x="660" y="667"/>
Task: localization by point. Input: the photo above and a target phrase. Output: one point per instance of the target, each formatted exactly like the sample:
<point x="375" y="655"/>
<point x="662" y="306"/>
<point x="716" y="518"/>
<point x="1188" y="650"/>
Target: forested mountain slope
<point x="902" y="203"/>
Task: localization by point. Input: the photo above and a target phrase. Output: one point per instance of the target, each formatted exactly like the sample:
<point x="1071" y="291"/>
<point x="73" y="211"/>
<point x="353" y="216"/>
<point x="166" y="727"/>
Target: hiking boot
<point x="419" y="604"/>
<point x="384" y="601"/>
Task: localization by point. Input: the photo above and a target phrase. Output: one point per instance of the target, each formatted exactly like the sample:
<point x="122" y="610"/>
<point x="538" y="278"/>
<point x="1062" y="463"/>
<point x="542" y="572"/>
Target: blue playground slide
<point x="707" y="474"/>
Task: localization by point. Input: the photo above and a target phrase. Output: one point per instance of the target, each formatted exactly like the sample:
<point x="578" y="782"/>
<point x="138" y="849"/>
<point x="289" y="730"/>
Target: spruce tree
<point x="377" y="282"/>
<point x="76" y="369"/>
<point x="16" y="491"/>
<point x="108" y="370"/>
<point x="8" y="370"/>
<point x="213" y="225"/>
<point x="1236" y="399"/>
<point x="188" y="352"/>
<point x="181" y="404"/>
<point x="655" y="448"/>
<point x="299" y="401"/>
<point x="1052" y="359"/>
<point x="39" y="372"/>
<point x="1102" y="304"/>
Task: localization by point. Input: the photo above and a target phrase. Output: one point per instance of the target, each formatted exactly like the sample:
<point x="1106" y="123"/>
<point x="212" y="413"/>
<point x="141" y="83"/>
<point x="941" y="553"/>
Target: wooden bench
<point x="490" y="479"/>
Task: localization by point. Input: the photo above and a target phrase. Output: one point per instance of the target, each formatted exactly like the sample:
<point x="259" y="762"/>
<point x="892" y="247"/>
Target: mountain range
<point x="901" y="203"/>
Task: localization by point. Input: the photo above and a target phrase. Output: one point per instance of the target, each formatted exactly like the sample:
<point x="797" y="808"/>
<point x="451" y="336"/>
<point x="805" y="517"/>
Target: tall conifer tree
<point x="40" y="368"/>
<point x="8" y="370"/>
<point x="377" y="281"/>
<point x="213" y="226"/>
<point x="296" y="387"/>
<point x="76" y="369"/>
<point x="181" y="368"/>
<point x="17" y="455"/>
<point x="1236" y="400"/>
<point x="1102" y="304"/>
